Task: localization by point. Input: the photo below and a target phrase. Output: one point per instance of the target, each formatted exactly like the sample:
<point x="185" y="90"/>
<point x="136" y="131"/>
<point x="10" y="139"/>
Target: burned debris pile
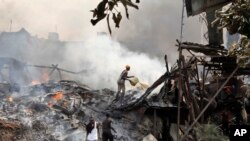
<point x="43" y="110"/>
<point x="214" y="94"/>
<point x="216" y="85"/>
<point x="60" y="111"/>
<point x="198" y="95"/>
<point x="12" y="130"/>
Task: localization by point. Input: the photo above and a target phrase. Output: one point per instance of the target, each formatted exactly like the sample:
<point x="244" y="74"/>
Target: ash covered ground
<point x="59" y="111"/>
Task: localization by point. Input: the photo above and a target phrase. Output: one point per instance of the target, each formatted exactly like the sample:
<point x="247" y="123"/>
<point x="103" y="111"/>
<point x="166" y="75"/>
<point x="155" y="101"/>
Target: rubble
<point x="241" y="51"/>
<point x="60" y="110"/>
<point x="189" y="104"/>
<point x="12" y="130"/>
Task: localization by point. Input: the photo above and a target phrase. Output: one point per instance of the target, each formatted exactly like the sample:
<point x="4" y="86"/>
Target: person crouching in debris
<point x="121" y="83"/>
<point x="106" y="129"/>
<point x="92" y="130"/>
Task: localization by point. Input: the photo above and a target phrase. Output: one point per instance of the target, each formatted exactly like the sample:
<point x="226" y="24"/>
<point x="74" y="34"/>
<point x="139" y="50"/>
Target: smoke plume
<point x="101" y="58"/>
<point x="150" y="32"/>
<point x="152" y="29"/>
<point x="106" y="59"/>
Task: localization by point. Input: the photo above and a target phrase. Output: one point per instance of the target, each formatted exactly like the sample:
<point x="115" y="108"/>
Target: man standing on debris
<point x="121" y="83"/>
<point x="92" y="130"/>
<point x="106" y="129"/>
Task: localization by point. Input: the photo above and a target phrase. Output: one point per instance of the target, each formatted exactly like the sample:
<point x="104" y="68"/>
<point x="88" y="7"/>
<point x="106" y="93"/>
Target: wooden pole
<point x="154" y="122"/>
<point x="166" y="83"/>
<point x="179" y="99"/>
<point x="166" y="62"/>
<point x="210" y="101"/>
<point x="180" y="72"/>
<point x="192" y="101"/>
<point x="203" y="92"/>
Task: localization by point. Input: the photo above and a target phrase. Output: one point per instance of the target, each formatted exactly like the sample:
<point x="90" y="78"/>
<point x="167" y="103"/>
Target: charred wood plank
<point x="191" y="100"/>
<point x="164" y="89"/>
<point x="203" y="49"/>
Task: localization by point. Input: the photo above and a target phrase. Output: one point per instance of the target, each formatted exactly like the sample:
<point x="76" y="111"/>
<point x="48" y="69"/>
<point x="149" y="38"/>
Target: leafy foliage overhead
<point x="107" y="8"/>
<point x="236" y="18"/>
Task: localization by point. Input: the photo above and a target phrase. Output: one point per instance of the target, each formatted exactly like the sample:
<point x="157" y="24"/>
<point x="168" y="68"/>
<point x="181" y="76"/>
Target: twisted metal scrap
<point x="236" y="18"/>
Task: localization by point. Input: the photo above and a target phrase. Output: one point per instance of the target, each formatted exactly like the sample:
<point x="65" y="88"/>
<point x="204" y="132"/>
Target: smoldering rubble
<point x="51" y="108"/>
<point x="60" y="111"/>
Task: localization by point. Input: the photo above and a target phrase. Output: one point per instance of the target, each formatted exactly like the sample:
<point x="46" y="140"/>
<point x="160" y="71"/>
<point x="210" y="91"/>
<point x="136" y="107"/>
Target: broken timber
<point x="205" y="49"/>
<point x="210" y="101"/>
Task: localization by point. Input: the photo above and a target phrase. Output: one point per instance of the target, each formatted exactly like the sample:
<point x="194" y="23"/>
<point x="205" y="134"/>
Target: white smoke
<point x="106" y="59"/>
<point x="102" y="57"/>
<point x="152" y="29"/>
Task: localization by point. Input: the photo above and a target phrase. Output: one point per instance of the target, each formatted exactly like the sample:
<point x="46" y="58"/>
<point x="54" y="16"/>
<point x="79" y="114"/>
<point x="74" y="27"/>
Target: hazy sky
<point x="152" y="29"/>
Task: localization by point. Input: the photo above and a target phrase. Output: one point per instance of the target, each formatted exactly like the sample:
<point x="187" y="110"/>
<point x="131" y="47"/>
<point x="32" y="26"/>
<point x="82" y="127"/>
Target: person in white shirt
<point x="92" y="130"/>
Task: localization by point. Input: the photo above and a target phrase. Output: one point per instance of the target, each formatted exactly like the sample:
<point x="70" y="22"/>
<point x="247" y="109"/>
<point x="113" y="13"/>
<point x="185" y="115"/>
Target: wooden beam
<point x="208" y="104"/>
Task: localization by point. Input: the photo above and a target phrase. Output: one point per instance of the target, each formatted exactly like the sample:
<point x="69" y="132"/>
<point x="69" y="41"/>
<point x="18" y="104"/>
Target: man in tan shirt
<point x="121" y="83"/>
